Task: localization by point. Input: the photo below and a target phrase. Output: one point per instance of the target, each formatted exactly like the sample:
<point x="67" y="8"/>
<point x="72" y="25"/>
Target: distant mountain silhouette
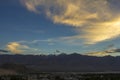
<point x="63" y="62"/>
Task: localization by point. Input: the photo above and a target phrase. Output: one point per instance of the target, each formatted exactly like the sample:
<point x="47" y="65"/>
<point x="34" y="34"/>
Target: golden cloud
<point x="98" y="54"/>
<point x="111" y="50"/>
<point x="16" y="48"/>
<point x="94" y="18"/>
<point x="102" y="31"/>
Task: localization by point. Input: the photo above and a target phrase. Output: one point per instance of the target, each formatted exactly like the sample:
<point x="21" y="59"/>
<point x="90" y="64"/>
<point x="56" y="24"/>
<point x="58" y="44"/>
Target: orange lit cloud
<point x="16" y="48"/>
<point x="98" y="54"/>
<point x="111" y="50"/>
<point x="102" y="31"/>
<point x="94" y="18"/>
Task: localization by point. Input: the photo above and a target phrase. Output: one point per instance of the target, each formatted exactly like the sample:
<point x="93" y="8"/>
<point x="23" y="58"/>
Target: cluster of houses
<point x="41" y="76"/>
<point x="60" y="76"/>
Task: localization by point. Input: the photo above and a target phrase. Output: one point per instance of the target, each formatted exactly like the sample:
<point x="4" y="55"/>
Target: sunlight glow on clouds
<point x="111" y="50"/>
<point x="19" y="48"/>
<point x="94" y="20"/>
<point x="98" y="54"/>
<point x="102" y="31"/>
<point x="16" y="48"/>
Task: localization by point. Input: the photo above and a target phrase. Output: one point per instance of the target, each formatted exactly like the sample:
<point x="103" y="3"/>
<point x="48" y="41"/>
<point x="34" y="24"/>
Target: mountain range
<point x="63" y="62"/>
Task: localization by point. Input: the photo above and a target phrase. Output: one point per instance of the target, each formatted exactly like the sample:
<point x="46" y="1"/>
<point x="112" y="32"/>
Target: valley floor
<point x="62" y="76"/>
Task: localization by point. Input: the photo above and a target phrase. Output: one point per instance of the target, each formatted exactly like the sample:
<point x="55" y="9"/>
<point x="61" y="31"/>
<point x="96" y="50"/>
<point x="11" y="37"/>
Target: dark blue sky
<point x="34" y="27"/>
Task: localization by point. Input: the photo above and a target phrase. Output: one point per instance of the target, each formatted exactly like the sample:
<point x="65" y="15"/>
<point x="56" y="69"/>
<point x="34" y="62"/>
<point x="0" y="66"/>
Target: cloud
<point x="52" y="41"/>
<point x="5" y="51"/>
<point x="70" y="12"/>
<point x="98" y="54"/>
<point x="113" y="51"/>
<point x="16" y="48"/>
<point x="104" y="53"/>
<point x="102" y="31"/>
<point x="94" y="20"/>
<point x="49" y="41"/>
<point x="109" y="51"/>
<point x="22" y="47"/>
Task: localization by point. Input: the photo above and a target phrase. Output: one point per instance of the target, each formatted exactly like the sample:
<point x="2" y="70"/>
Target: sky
<point x="88" y="27"/>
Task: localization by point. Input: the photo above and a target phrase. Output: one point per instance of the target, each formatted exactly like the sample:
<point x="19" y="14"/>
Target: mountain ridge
<point x="64" y="62"/>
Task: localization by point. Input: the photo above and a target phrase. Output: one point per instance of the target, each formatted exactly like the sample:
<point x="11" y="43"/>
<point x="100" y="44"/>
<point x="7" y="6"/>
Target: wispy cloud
<point x="49" y="41"/>
<point x="21" y="47"/>
<point x="94" y="18"/>
<point x="110" y="51"/>
<point x="98" y="54"/>
<point x="102" y="31"/>
<point x="113" y="51"/>
<point x="53" y="41"/>
<point x="3" y="51"/>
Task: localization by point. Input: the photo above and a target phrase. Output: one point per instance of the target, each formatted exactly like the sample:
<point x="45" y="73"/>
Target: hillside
<point x="7" y="72"/>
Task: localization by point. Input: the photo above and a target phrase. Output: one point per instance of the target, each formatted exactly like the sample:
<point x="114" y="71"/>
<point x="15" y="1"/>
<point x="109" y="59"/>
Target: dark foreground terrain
<point x="61" y="63"/>
<point x="59" y="67"/>
<point x="62" y="76"/>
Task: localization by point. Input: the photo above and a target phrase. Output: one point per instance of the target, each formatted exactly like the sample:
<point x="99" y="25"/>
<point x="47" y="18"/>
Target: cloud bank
<point x="94" y="20"/>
